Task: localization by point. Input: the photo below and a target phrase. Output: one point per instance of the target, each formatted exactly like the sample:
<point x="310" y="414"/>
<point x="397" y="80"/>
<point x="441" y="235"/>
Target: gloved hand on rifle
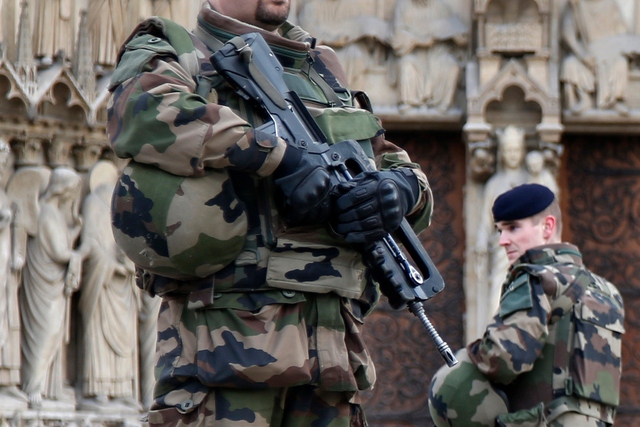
<point x="373" y="204"/>
<point x="304" y="189"/>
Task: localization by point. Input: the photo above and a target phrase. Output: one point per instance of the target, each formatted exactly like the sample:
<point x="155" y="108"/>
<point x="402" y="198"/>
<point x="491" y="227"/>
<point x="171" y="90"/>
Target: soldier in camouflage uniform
<point x="551" y="356"/>
<point x="262" y="306"/>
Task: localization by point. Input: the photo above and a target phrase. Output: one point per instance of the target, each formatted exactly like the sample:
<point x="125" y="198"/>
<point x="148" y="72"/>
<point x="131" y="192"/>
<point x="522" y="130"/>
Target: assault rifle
<point x="252" y="69"/>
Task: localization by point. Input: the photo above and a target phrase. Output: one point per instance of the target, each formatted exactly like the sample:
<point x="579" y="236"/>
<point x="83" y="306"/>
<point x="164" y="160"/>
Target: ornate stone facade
<point x="453" y="81"/>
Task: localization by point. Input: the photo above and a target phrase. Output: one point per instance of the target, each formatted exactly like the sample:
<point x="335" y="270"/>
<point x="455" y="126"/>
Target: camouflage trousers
<point x="463" y="397"/>
<point x="270" y="358"/>
<point x="300" y="406"/>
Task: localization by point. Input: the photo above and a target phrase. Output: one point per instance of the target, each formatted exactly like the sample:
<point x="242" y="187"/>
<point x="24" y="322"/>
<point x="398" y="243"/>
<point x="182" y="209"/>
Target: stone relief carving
<point x="356" y="29"/>
<point x="10" y="393"/>
<point x="108" y="305"/>
<point x="40" y="245"/>
<point x="595" y="73"/>
<point x="177" y="10"/>
<point x="107" y="21"/>
<point x="183" y="12"/>
<point x="513" y="26"/>
<point x="54" y="30"/>
<point x="425" y="36"/>
<point x="388" y="45"/>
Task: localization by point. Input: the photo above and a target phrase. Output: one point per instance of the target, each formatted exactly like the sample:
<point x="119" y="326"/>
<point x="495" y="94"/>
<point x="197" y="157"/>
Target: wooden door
<point x="405" y="357"/>
<point x="601" y="204"/>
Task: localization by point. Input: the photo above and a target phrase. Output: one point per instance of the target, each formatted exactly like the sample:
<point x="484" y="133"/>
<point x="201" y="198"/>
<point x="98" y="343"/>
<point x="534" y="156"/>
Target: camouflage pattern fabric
<point x="301" y="406"/>
<point x="149" y="219"/>
<point x="261" y="343"/>
<point x="157" y="117"/>
<point x="553" y="351"/>
<point x="273" y="336"/>
<point x="462" y="396"/>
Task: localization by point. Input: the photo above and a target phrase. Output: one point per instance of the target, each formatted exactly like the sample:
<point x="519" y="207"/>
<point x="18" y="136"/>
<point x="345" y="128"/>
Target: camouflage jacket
<point x="161" y="118"/>
<point x="557" y="336"/>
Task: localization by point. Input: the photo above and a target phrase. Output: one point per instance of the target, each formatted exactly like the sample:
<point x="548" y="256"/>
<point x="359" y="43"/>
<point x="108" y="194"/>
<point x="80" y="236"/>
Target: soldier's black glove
<point x="373" y="204"/>
<point x="305" y="189"/>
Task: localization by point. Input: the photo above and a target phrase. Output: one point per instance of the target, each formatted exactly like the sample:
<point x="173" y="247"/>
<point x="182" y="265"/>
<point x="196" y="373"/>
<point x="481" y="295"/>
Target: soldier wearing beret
<point x="551" y="355"/>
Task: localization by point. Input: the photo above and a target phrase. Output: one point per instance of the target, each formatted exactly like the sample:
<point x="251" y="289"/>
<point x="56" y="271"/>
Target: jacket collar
<point x="551" y="254"/>
<point x="224" y="28"/>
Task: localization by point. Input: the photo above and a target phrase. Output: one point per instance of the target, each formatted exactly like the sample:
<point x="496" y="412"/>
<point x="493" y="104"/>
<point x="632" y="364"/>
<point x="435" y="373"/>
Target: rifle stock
<point x="252" y="69"/>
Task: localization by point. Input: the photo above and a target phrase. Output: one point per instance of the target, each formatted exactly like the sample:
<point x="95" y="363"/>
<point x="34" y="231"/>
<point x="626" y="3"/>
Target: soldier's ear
<point x="548" y="226"/>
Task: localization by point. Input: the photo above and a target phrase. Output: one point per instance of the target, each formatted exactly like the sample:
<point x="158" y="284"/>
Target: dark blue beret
<point x="522" y="201"/>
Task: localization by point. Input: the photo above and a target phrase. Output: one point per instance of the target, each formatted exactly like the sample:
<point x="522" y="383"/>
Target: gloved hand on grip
<point x="373" y="204"/>
<point x="305" y="188"/>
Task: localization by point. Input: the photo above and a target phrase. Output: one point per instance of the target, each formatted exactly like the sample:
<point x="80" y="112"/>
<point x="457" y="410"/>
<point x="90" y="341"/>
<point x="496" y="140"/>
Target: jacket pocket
<point x="315" y="267"/>
<point x="595" y="367"/>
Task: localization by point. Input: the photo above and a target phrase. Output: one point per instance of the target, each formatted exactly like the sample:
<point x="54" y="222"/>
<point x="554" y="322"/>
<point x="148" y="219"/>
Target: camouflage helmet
<point x="175" y="226"/>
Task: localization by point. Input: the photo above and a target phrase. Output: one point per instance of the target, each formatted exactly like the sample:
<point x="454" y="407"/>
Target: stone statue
<point x="9" y="315"/>
<point x="540" y="174"/>
<point x="107" y="21"/>
<point x="54" y="29"/>
<point x="428" y="69"/>
<point x="108" y="305"/>
<point x="147" y="337"/>
<point x="356" y="29"/>
<point x="11" y="397"/>
<point x="23" y="191"/>
<point x="491" y="262"/>
<point x="481" y="162"/>
<point x="600" y="46"/>
<point x="176" y="10"/>
<point x="51" y="274"/>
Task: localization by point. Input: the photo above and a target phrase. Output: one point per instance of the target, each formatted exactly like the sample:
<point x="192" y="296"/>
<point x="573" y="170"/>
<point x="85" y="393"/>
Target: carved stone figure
<point x="59" y="152"/>
<point x="54" y="29"/>
<point x="107" y="21"/>
<point x="176" y="10"/>
<point x="356" y="29"/>
<point x="23" y="190"/>
<point x="8" y="22"/>
<point x="107" y="305"/>
<point x="428" y="70"/>
<point x="51" y="274"/>
<point x="492" y="262"/>
<point x="11" y="397"/>
<point x="540" y="174"/>
<point x="482" y="161"/>
<point x="147" y="337"/>
<point x="600" y="46"/>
